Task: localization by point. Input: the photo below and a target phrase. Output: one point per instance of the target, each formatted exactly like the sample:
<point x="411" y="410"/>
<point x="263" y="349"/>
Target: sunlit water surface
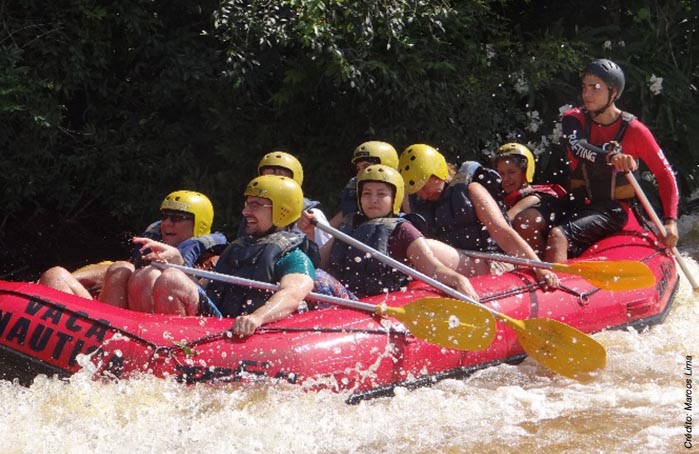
<point x="636" y="405"/>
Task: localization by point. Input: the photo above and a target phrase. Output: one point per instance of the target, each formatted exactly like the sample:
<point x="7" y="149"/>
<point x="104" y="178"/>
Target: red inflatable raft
<point x="45" y="331"/>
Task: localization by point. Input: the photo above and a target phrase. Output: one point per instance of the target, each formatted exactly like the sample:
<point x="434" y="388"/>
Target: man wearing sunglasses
<point x="267" y="252"/>
<point x="186" y="218"/>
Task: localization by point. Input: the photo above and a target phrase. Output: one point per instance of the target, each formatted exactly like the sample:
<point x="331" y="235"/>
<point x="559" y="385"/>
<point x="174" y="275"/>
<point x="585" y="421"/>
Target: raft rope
<point x="279" y="329"/>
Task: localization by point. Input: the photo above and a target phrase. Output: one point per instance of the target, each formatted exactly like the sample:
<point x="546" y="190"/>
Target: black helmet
<point x="609" y="72"/>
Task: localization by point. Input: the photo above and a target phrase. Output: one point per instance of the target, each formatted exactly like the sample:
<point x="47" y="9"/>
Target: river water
<point x="636" y="405"/>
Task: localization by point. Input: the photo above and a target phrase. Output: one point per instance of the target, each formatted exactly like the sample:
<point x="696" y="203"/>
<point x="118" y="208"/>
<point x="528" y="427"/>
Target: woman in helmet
<point x="459" y="210"/>
<point x="366" y="154"/>
<point x="268" y="252"/>
<point x="186" y="222"/>
<point x="285" y="164"/>
<point x="599" y="190"/>
<point x="380" y="194"/>
<point x="531" y="209"/>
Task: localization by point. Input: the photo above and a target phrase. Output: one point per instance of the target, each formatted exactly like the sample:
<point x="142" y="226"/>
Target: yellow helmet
<point x="284" y="160"/>
<point x="376" y="152"/>
<point x="195" y="203"/>
<point x="286" y="196"/>
<point x="383" y="174"/>
<point x="418" y="163"/>
<point x="518" y="149"/>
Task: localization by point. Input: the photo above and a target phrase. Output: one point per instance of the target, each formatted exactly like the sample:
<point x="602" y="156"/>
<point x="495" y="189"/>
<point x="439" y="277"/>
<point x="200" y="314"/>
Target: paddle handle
<point x="214" y="276"/>
<point x="661" y="228"/>
<point x="398" y="265"/>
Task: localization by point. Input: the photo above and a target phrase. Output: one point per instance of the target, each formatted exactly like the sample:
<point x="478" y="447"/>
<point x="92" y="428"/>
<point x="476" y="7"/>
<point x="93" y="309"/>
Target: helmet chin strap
<point x="599" y="112"/>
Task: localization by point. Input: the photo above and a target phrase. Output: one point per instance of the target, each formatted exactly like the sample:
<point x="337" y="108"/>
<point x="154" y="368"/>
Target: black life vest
<point x="361" y="274"/>
<point x="490" y="179"/>
<point x="452" y="219"/>
<point x="598" y="181"/>
<point x="253" y="258"/>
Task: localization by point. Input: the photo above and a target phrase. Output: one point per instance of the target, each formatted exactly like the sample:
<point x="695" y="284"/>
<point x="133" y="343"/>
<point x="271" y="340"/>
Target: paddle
<point x="661" y="228"/>
<point x="607" y="274"/>
<point x="554" y="345"/>
<point x="440" y="321"/>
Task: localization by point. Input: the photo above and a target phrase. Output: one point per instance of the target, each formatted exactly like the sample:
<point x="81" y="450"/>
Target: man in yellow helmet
<point x="268" y="252"/>
<point x="186" y="222"/>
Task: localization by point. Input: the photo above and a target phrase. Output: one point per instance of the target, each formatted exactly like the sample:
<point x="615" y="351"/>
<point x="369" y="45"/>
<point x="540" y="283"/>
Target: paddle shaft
<point x="508" y="259"/>
<point x="661" y="228"/>
<point x="400" y="266"/>
<point x="608" y="275"/>
<point x="264" y="286"/>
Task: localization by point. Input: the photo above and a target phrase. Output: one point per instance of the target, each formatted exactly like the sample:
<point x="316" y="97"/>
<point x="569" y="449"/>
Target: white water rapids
<point x="636" y="405"/>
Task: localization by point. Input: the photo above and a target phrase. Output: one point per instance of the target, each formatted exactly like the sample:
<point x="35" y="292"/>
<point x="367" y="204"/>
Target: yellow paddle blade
<point x="558" y="347"/>
<point x="611" y="275"/>
<point x="446" y="322"/>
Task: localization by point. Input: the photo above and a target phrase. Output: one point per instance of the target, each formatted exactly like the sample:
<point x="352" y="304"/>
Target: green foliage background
<point x="108" y="105"/>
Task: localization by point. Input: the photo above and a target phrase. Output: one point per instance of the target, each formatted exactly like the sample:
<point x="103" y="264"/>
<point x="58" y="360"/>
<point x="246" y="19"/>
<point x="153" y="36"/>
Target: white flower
<point x="489" y="52"/>
<point x="655" y="84"/>
<point x="607" y="45"/>
<point x="557" y="133"/>
<point x="534" y="121"/>
<point x="565" y="108"/>
<point x="521" y="85"/>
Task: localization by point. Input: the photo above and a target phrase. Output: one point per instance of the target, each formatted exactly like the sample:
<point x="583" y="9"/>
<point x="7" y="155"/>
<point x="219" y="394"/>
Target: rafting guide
<point x="688" y="402"/>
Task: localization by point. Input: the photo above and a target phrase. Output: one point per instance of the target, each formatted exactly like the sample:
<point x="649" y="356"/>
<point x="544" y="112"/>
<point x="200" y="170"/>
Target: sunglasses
<point x="176" y="217"/>
<point x="254" y="205"/>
